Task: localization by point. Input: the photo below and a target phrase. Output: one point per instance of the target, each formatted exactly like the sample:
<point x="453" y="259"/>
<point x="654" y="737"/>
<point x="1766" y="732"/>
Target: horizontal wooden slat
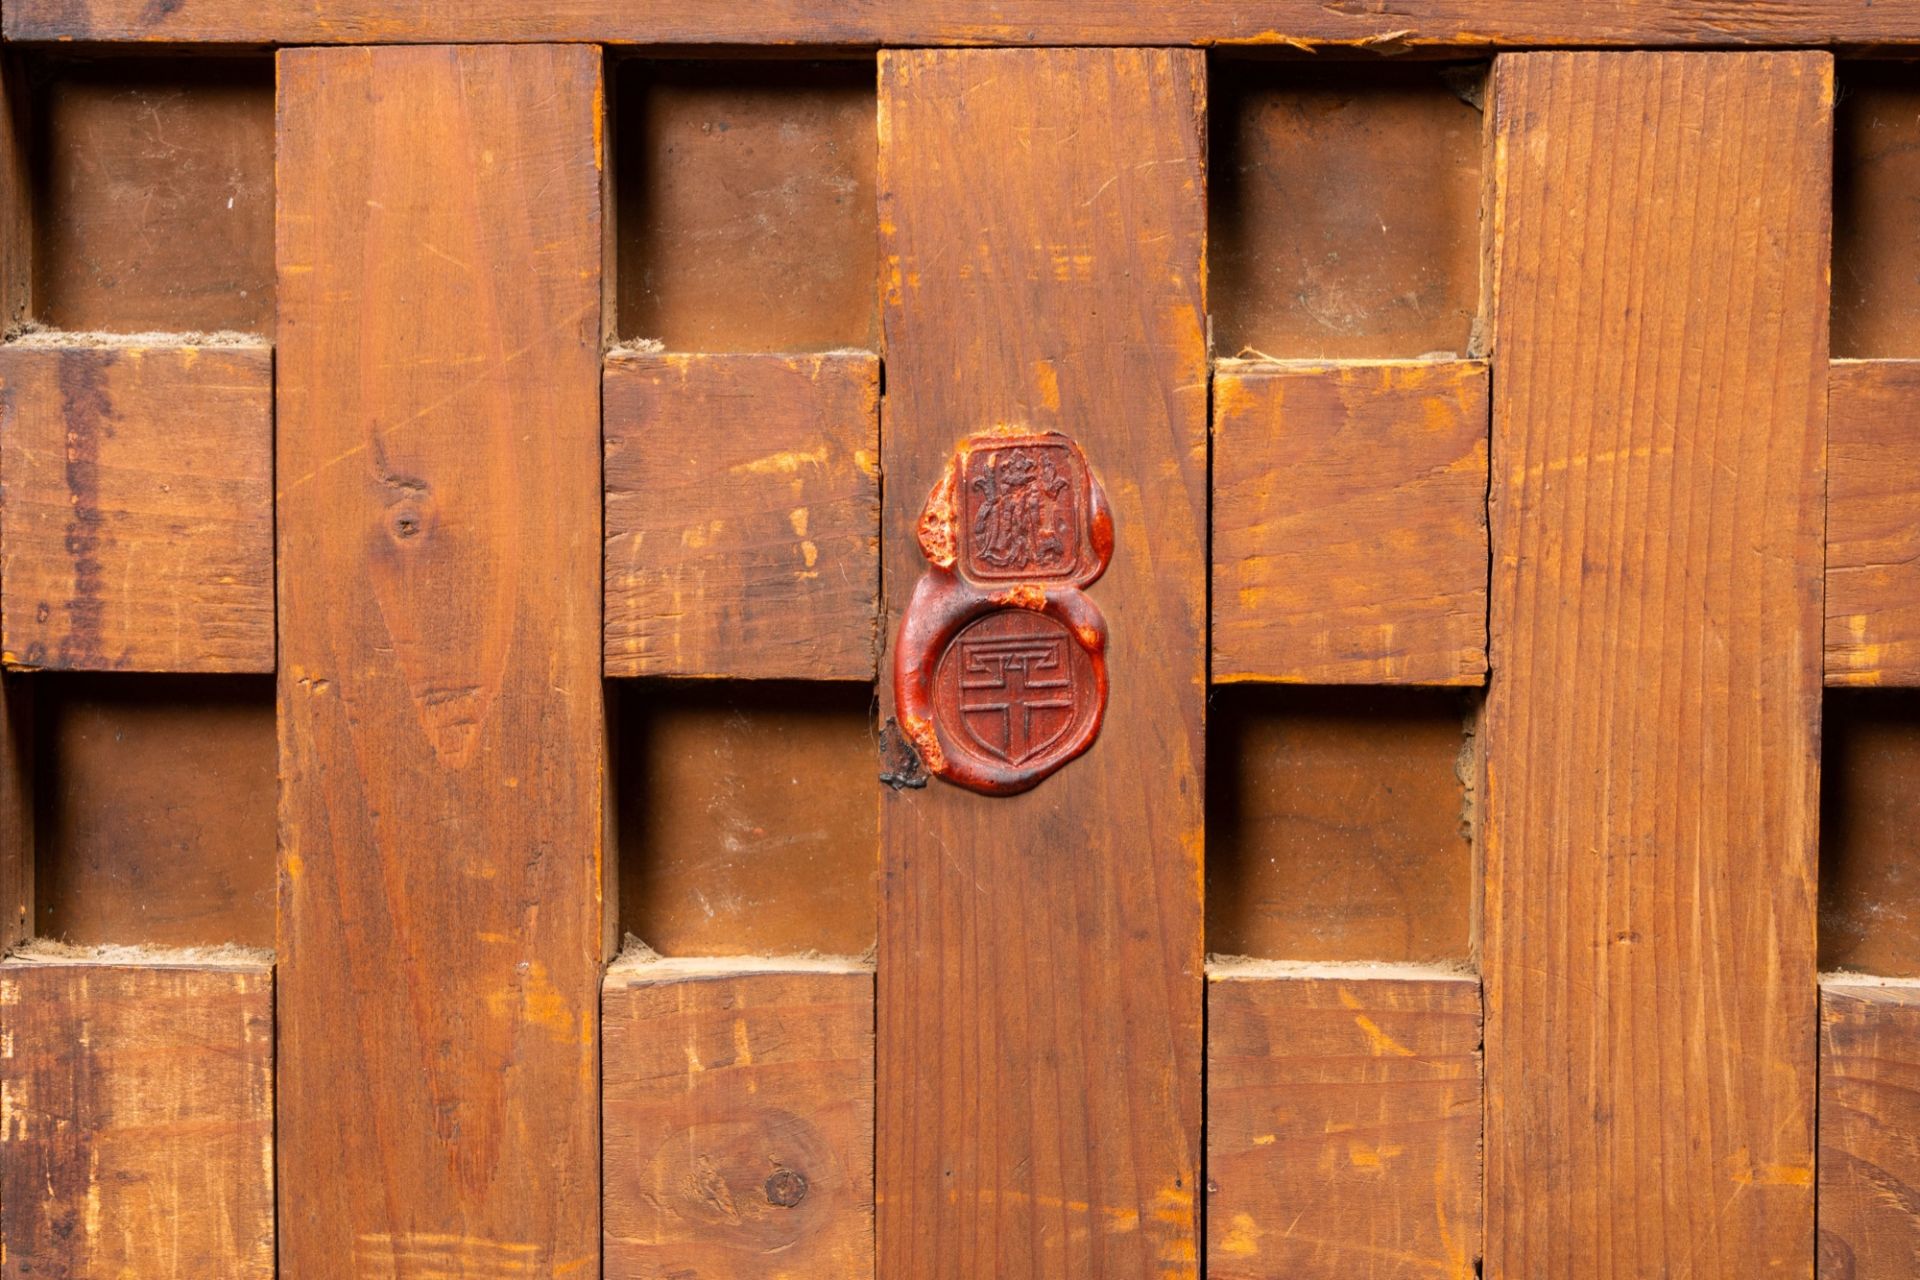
<point x="1873" y="539"/>
<point x="743" y="515"/>
<point x="1350" y="522"/>
<point x="136" y="1118"/>
<point x="137" y="507"/>
<point x="738" y="1102"/>
<point x="1311" y="23"/>
<point x="1869" y="1159"/>
<point x="1343" y="1123"/>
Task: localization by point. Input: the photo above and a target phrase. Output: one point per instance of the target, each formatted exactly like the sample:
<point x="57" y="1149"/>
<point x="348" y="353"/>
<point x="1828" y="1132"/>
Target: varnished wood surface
<point x="1408" y="24"/>
<point x="138" y="1130"/>
<point x="1873" y="541"/>
<point x="153" y="193"/>
<point x="136" y="508"/>
<point x="1338" y="824"/>
<point x="1350" y="523"/>
<point x="747" y="816"/>
<point x="155" y="811"/>
<point x="1869" y="1129"/>
<point x="1343" y="1123"/>
<point x="441" y="730"/>
<point x="1040" y="979"/>
<point x="1343" y="208"/>
<point x="739" y="1119"/>
<point x="743" y="515"/>
<point x="745" y="203"/>
<point x="1659" y="383"/>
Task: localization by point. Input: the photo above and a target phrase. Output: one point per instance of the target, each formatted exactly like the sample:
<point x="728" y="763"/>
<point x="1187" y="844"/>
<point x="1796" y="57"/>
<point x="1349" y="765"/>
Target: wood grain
<point x="138" y="1129"/>
<point x="137" y="508"/>
<point x="1343" y="1123"/>
<point x="1869" y="1129"/>
<point x="1659" y="425"/>
<point x="1364" y="24"/>
<point x="743" y="515"/>
<point x="153" y="191"/>
<point x="1873" y="543"/>
<point x="155" y="820"/>
<point x="1040" y="980"/>
<point x="1869" y="810"/>
<point x="1338" y="824"/>
<point x="1343" y="209"/>
<point x="442" y="739"/>
<point x="746" y="816"/>
<point x="1350" y="523"/>
<point x="739" y="1119"/>
<point x="745" y="199"/>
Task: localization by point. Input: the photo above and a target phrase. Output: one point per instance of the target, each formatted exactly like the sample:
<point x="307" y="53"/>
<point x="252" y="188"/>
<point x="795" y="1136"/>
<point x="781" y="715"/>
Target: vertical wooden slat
<point x="441" y="727"/>
<point x="136" y="1119"/>
<point x="1660" y="322"/>
<point x="1040" y="986"/>
<point x="16" y="804"/>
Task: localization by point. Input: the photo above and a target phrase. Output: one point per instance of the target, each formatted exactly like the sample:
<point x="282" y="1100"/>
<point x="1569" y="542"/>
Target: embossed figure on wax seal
<point x="1000" y="673"/>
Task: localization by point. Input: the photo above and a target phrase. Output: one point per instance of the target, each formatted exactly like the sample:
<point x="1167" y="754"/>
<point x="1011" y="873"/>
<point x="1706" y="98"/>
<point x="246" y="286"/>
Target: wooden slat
<point x="1869" y="1128"/>
<point x="1405" y="24"/>
<point x="1350" y="522"/>
<point x="1659" y="422"/>
<point x="739" y="1119"/>
<point x="743" y="515"/>
<point x="137" y="514"/>
<point x="136" y="1119"/>
<point x="441" y="728"/>
<point x="1343" y="1123"/>
<point x="1040" y="964"/>
<point x="1873" y="540"/>
<point x="16" y="792"/>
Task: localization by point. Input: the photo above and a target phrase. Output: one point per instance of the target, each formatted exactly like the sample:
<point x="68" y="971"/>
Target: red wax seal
<point x="1000" y="672"/>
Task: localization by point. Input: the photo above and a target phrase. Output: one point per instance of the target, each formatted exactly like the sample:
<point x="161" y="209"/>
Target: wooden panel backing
<point x="138" y="508"/>
<point x="16" y="811"/>
<point x="136" y="1118"/>
<point x="1869" y="811"/>
<point x="1660" y="358"/>
<point x="1876" y="184"/>
<point x="155" y="817"/>
<point x="746" y="815"/>
<point x="1311" y="24"/>
<point x="153" y="193"/>
<point x="1338" y="824"/>
<point x="1343" y="1123"/>
<point x="441" y="731"/>
<point x="1873" y="543"/>
<point x="1040" y="955"/>
<point x="1350" y="523"/>
<point x="1869" y="1129"/>
<point x="743" y="515"/>
<point x="746" y="207"/>
<point x="739" y="1116"/>
<point x="1344" y="208"/>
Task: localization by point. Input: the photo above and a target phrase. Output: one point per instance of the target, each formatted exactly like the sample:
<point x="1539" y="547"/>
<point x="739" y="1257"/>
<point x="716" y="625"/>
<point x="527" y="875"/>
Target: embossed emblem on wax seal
<point x="1000" y="667"/>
